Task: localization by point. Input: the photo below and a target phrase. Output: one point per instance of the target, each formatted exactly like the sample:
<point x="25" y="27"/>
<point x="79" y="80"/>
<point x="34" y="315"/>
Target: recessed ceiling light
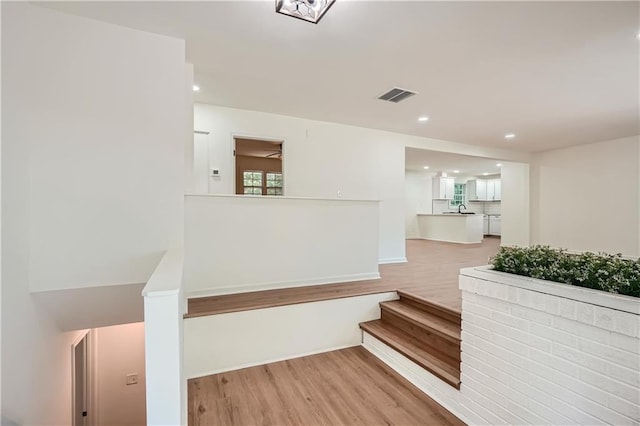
<point x="510" y="136"/>
<point x="423" y="118"/>
<point x="638" y="36"/>
<point x="456" y="171"/>
<point x="499" y="165"/>
<point x="485" y="174"/>
<point x="196" y="88"/>
<point x="426" y="167"/>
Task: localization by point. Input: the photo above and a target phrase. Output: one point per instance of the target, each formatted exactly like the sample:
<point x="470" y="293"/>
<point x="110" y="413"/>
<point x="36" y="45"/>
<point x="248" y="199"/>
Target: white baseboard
<point x="246" y="288"/>
<point x="449" y="241"/>
<point x="441" y="392"/>
<point x="392" y="260"/>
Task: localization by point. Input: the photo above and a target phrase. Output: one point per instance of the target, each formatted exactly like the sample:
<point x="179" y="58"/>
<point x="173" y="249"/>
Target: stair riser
<point x="445" y="350"/>
<point x="448" y="375"/>
<point x="453" y="318"/>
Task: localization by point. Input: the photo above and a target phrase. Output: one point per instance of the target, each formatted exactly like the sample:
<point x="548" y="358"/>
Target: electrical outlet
<point x="132" y="379"/>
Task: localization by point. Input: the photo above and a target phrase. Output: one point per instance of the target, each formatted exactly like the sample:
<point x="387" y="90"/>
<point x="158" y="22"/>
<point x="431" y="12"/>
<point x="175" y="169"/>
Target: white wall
<point x="120" y="351"/>
<point x="106" y="132"/>
<point x="586" y="198"/>
<point x="418" y="194"/>
<point x="92" y="142"/>
<point x="320" y="159"/>
<point x="514" y="206"/>
<point x="235" y="244"/>
<point x="224" y="342"/>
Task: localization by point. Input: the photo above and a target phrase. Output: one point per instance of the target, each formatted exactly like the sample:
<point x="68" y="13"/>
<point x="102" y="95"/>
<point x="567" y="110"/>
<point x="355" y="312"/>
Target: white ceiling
<point x="554" y="73"/>
<point x="467" y="166"/>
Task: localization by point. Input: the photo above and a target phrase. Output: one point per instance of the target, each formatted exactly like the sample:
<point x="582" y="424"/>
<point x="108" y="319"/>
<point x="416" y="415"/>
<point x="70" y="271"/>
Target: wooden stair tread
<point x="447" y="312"/>
<point x="412" y="348"/>
<point x="423" y="319"/>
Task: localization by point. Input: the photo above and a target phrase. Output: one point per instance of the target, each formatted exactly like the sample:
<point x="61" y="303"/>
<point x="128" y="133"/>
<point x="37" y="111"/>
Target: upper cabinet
<point x="494" y="190"/>
<point x="443" y="188"/>
<point x="484" y="190"/>
<point x="476" y="190"/>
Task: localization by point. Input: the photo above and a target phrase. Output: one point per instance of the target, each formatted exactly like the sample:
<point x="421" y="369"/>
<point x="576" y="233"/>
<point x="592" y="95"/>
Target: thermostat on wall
<point x="215" y="172"/>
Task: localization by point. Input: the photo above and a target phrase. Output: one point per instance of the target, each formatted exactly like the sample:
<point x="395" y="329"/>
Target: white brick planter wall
<point x="537" y="352"/>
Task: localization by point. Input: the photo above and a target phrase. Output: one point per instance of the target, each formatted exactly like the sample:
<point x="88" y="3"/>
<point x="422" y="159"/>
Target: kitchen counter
<point x="453" y="228"/>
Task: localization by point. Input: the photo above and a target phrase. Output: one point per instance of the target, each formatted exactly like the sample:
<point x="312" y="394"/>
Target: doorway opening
<point x="109" y="376"/>
<point x="258" y="166"/>
<point x="82" y="379"/>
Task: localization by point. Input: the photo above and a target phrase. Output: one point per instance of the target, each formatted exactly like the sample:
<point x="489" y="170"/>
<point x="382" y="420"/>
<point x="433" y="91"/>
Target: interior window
<point x="274" y="183"/>
<point x="252" y="182"/>
<point x="458" y="194"/>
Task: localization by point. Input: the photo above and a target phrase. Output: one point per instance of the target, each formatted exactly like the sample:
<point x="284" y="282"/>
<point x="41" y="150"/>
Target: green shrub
<point x="600" y="271"/>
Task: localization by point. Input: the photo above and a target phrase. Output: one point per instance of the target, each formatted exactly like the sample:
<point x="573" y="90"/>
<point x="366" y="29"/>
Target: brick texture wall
<point x="539" y="356"/>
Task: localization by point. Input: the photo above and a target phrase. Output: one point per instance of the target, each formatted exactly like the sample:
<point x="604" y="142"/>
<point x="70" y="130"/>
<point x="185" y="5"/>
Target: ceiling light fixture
<point x="307" y="10"/>
<point x="196" y="88"/>
<point x="510" y="136"/>
<point x="485" y="174"/>
<point x="499" y="165"/>
<point x="423" y="118"/>
<point x="426" y="167"/>
<point x="456" y="171"/>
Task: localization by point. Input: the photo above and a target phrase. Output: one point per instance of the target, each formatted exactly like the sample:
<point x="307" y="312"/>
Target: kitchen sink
<point x="458" y="213"/>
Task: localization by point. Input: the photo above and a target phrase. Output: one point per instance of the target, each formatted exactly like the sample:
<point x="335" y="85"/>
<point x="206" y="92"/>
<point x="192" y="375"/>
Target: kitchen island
<point x="451" y="227"/>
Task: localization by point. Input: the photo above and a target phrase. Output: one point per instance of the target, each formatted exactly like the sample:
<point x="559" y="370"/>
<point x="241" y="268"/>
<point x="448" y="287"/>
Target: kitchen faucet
<point x="461" y="205"/>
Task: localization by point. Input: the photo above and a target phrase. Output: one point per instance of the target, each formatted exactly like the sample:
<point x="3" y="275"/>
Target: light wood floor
<point x="431" y="272"/>
<point x="346" y="387"/>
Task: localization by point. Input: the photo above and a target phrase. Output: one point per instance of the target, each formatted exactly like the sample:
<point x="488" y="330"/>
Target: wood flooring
<point x="345" y="387"/>
<point x="431" y="272"/>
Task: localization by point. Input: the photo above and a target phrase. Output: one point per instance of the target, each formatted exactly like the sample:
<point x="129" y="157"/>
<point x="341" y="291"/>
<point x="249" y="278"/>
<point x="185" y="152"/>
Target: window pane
<point x="271" y="191"/>
<point x="248" y="191"/>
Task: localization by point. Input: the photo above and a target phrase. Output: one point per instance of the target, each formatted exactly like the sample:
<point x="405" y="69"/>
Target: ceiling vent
<point x="396" y="95"/>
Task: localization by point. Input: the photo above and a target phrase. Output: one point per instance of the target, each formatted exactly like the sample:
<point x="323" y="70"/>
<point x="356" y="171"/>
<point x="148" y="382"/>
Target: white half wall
<point x="92" y="159"/>
<point x="587" y="198"/>
<point x="320" y="159"/>
<point x="164" y="308"/>
<point x="218" y="343"/>
<point x="538" y="352"/>
<point x="243" y="243"/>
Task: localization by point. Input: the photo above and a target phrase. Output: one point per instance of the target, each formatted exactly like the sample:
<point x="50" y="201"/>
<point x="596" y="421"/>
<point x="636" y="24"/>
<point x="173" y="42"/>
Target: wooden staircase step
<point x="435" y="308"/>
<point x="413" y="349"/>
<point x="427" y="321"/>
<point x="447" y="350"/>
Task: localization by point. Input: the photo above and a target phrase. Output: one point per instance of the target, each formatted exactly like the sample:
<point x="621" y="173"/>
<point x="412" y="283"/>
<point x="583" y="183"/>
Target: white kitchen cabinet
<point x="485" y="225"/>
<point x="494" y="190"/>
<point x="484" y="190"/>
<point x="476" y="190"/>
<point x="495" y="225"/>
<point x="443" y="188"/>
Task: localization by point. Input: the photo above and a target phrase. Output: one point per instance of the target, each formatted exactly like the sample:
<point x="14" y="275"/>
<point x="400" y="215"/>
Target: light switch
<point x="132" y="379"/>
